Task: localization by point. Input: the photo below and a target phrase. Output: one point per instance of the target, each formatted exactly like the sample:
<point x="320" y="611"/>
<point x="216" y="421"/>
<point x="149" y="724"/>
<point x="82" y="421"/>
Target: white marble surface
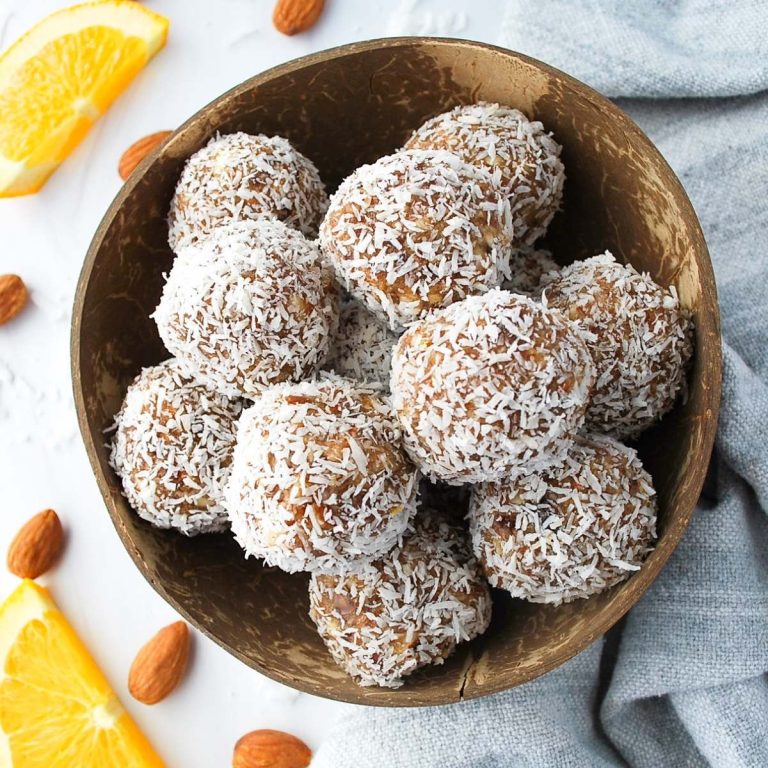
<point x="213" y="45"/>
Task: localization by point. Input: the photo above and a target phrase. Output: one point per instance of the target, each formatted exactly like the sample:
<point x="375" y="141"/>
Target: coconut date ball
<point x="415" y="231"/>
<point x="172" y="449"/>
<point x="571" y="531"/>
<point x="319" y="480"/>
<point x="252" y="305"/>
<point x="526" y="269"/>
<point x="238" y="177"/>
<point x="362" y="349"/>
<point x="405" y="610"/>
<point x="491" y="385"/>
<point x="517" y="151"/>
<point x="642" y="340"/>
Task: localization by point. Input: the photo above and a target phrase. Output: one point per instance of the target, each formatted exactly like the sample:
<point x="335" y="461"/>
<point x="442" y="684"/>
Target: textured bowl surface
<point x="342" y="108"/>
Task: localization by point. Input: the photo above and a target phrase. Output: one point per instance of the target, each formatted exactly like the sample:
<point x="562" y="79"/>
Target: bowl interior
<point x="343" y="108"/>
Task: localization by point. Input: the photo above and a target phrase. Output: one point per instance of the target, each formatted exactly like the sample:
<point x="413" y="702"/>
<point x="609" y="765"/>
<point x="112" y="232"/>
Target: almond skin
<point x="160" y="664"/>
<point x="36" y="546"/>
<point x="294" y="16"/>
<point x="138" y="151"/>
<point x="270" y="749"/>
<point x="13" y="297"/>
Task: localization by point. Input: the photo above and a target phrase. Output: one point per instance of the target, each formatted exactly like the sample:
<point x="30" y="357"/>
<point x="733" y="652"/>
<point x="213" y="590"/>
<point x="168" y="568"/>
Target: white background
<point x="213" y="45"/>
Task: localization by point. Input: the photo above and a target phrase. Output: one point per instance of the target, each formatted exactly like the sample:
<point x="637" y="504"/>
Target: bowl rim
<point x="639" y="583"/>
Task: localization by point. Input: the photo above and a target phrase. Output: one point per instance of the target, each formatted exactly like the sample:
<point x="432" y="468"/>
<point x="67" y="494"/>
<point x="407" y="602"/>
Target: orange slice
<point x="60" y="77"/>
<point x="56" y="708"/>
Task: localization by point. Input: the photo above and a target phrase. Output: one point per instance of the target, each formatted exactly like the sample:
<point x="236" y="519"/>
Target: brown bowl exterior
<point x="342" y="108"/>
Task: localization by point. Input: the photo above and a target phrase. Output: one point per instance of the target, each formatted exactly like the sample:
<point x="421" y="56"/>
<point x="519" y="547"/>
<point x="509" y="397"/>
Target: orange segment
<point x="57" y="710"/>
<point x="57" y="80"/>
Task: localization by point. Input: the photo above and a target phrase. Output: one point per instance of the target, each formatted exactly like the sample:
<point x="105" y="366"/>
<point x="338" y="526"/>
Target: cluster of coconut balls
<point x="339" y="365"/>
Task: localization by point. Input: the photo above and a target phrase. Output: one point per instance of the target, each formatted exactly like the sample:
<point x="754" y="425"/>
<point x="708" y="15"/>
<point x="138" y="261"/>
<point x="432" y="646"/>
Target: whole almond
<point x="270" y="749"/>
<point x="293" y="16"/>
<point x="160" y="664"/>
<point x="36" y="546"/>
<point x="138" y="151"/>
<point x="13" y="297"/>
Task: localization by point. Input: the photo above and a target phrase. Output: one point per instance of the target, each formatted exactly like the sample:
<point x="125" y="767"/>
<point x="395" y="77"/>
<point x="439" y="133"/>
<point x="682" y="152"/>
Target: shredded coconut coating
<point x="172" y="449"/>
<point x="250" y="306"/>
<point x="362" y="349"/>
<point x="518" y="152"/>
<point x="527" y="267"/>
<point x="404" y="611"/>
<point x="570" y="532"/>
<point x="238" y="177"/>
<point x="643" y="340"/>
<point x="491" y="385"/>
<point x="320" y="481"/>
<point x="416" y="231"/>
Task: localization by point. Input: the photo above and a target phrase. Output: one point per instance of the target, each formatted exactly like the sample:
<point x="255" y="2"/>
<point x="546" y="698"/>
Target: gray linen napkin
<point x="689" y="670"/>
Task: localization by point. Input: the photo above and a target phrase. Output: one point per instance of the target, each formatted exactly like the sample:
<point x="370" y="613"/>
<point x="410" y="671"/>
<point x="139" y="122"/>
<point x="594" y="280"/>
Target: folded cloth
<point x="652" y="48"/>
<point x="688" y="669"/>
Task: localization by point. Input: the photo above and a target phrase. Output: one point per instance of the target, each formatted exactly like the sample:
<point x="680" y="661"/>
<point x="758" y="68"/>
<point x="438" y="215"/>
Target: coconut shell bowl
<point x="343" y="108"/>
